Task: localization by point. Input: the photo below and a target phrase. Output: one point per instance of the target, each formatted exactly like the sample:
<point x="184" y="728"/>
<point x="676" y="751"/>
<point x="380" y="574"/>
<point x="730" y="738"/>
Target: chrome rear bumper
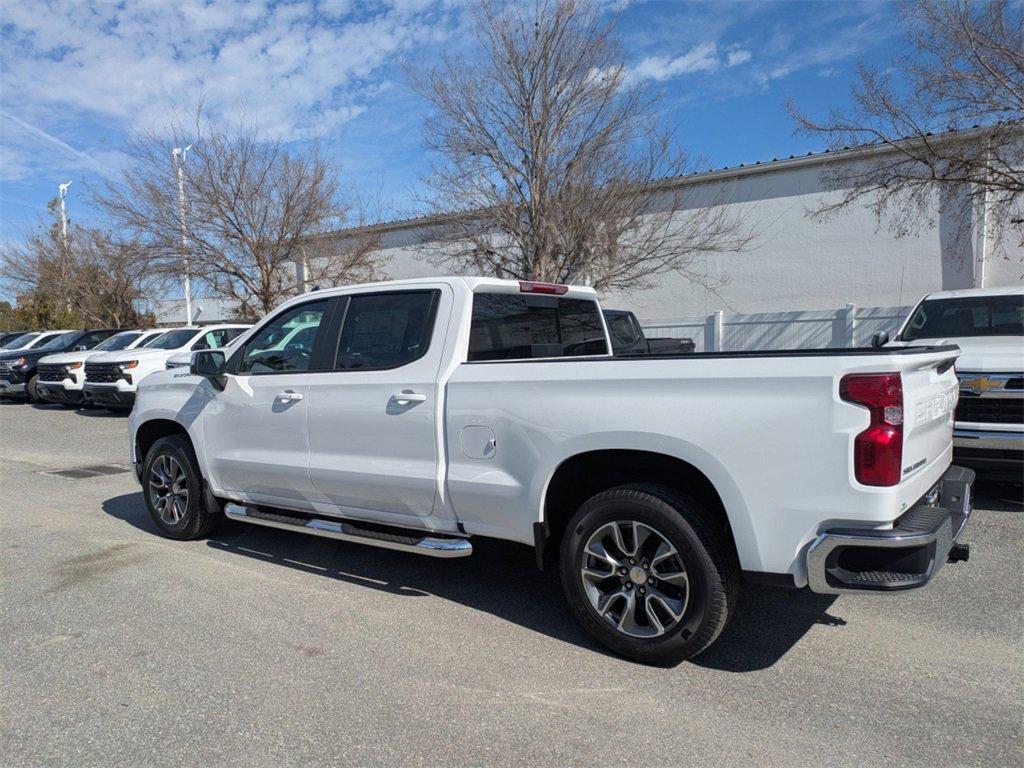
<point x="906" y="556"/>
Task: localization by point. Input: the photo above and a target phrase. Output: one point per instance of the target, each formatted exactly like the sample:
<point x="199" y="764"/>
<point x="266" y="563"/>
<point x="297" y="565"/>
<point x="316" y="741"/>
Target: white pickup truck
<point x="112" y="378"/>
<point x="62" y="377"/>
<point x="988" y="326"/>
<point x="416" y="415"/>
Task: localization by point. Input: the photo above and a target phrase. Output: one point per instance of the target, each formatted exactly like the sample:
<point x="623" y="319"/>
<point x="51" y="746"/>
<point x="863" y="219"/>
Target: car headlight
<point x="72" y="367"/>
<point x="128" y="366"/>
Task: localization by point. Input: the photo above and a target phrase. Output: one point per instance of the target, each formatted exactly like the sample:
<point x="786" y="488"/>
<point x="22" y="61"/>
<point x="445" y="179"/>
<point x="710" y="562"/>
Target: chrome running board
<point x="402" y="540"/>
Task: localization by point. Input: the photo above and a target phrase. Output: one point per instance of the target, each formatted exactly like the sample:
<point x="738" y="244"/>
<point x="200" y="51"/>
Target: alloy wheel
<point x="168" y="489"/>
<point x="635" y="578"/>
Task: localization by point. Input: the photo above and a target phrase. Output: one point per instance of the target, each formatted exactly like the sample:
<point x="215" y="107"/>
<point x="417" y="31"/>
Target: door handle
<point x="288" y="396"/>
<point x="403" y="398"/>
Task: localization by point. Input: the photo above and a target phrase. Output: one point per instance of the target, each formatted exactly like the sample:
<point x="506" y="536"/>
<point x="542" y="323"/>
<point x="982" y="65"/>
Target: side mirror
<point x="880" y="339"/>
<point x="210" y="364"/>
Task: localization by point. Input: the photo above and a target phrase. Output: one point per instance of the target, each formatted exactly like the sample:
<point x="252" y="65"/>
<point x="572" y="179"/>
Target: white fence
<point x="851" y="326"/>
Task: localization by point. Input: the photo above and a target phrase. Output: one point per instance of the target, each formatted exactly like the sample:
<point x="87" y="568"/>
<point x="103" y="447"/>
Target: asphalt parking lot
<point x="260" y="647"/>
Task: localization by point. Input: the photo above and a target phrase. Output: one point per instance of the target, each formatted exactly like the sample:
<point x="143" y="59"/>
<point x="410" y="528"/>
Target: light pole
<point x="62" y="190"/>
<point x="178" y="153"/>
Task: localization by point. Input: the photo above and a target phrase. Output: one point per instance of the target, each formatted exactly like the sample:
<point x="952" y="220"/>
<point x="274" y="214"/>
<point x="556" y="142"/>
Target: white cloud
<point x="300" y="69"/>
<point x="737" y="56"/>
<point x="26" y="148"/>
<point x="700" y="58"/>
<point x="704" y="57"/>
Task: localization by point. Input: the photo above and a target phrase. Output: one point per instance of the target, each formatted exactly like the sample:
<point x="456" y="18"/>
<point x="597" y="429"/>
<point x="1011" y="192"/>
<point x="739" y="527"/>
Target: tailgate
<point x="930" y="393"/>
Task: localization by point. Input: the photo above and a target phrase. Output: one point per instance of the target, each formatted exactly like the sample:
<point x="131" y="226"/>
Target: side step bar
<point x="410" y="541"/>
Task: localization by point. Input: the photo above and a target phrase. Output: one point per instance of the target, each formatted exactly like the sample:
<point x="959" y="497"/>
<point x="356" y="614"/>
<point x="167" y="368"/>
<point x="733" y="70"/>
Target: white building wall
<point x="796" y="262"/>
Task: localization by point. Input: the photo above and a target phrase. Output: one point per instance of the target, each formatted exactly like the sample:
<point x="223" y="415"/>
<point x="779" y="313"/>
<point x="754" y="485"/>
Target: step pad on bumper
<point x="906" y="556"/>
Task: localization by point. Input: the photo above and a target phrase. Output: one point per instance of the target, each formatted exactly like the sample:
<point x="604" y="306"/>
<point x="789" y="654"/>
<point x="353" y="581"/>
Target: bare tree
<point x="555" y="159"/>
<point x="253" y="209"/>
<point x="91" y="279"/>
<point x="951" y="120"/>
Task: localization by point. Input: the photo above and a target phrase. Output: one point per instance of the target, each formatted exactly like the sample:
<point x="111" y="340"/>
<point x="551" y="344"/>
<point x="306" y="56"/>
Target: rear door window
<point x="517" y="327"/>
<point x="386" y="330"/>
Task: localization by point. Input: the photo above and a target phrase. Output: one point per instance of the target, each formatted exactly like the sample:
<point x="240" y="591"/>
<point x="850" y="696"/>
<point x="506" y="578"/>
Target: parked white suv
<point x="417" y="414"/>
<point x="111" y="378"/>
<point x="62" y="377"/>
<point x="988" y="326"/>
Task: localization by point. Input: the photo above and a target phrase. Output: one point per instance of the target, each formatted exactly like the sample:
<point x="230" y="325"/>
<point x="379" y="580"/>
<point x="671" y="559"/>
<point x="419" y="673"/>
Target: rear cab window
<point x="508" y="326"/>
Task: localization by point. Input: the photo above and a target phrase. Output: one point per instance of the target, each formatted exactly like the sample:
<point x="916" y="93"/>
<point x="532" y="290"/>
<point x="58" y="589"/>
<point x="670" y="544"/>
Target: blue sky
<point x="77" y="79"/>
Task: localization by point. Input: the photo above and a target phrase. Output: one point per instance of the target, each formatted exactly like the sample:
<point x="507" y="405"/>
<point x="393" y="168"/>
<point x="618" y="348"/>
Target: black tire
<point x="197" y="520"/>
<point x="32" y="390"/>
<point x="706" y="554"/>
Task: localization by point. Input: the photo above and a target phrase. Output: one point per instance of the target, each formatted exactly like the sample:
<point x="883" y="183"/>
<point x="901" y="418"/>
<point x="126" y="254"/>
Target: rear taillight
<point x="549" y="288"/>
<point x="878" y="450"/>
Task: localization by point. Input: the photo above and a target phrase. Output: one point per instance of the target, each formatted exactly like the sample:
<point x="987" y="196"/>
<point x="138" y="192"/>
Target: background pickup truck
<point x="628" y="338"/>
<point x="416" y="415"/>
<point x="19" y="370"/>
<point x="988" y="326"/>
<point x="62" y="377"/>
<point x="111" y="378"/>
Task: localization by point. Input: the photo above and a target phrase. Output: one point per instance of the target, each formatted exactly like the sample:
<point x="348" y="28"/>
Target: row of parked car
<point x="98" y="366"/>
<point x="103" y="366"/>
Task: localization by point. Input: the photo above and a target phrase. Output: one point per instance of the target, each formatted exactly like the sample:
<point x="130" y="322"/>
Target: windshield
<point x="117" y="341"/>
<point x="173" y="339"/>
<point x="149" y="341"/>
<point x="968" y="316"/>
<point x="60" y="341"/>
<point x="19" y="341"/>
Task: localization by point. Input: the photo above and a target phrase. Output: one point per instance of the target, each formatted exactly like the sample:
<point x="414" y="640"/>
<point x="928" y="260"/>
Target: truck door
<point x="255" y="428"/>
<point x="373" y="418"/>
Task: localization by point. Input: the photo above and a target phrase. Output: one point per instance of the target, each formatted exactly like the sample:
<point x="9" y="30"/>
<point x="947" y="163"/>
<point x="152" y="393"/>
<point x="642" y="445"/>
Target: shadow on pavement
<point x="767" y="623"/>
<point x="998" y="496"/>
<point x="96" y="412"/>
<point x="501" y="578"/>
<point x="79" y="410"/>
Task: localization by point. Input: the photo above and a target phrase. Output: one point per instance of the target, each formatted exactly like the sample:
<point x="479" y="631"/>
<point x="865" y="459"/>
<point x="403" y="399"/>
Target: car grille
<point x="51" y="372"/>
<point x="990" y="410"/>
<point x="102" y="373"/>
<point x="5" y="366"/>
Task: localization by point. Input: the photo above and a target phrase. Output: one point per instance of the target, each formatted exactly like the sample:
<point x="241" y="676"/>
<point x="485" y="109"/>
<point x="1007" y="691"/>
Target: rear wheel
<point x="173" y="488"/>
<point x="647" y="575"/>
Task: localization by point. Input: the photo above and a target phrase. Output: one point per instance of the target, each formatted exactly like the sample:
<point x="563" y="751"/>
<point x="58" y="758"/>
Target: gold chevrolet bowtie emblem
<point x="981" y="384"/>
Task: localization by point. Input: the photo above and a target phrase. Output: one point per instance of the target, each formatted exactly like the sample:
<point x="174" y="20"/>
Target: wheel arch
<point x="584" y="474"/>
<point x="148" y="432"/>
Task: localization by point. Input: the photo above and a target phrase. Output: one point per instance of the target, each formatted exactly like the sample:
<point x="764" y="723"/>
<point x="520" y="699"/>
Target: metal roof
<point x="697" y="177"/>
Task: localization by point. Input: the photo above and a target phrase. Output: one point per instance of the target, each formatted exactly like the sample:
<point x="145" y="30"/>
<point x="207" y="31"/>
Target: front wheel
<point x="32" y="389"/>
<point x="173" y="488"/>
<point x="647" y="575"/>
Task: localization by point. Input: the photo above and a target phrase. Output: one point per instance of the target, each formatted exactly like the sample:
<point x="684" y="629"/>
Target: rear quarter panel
<point x="771" y="434"/>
